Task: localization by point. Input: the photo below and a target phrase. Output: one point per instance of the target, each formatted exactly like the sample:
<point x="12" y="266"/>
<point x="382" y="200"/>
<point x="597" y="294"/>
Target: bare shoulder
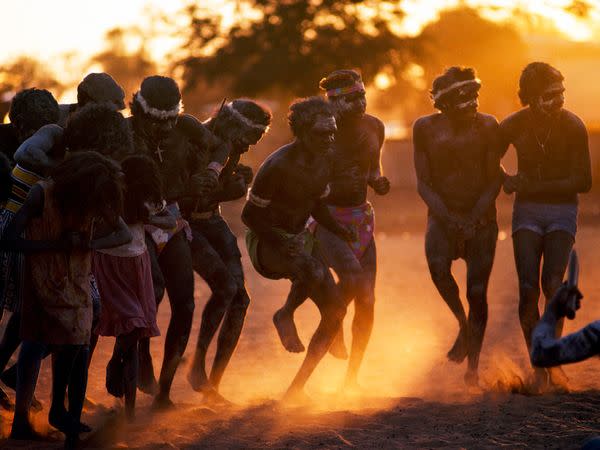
<point x="373" y="123"/>
<point x="515" y="119"/>
<point x="426" y="122"/>
<point x="573" y="121"/>
<point x="487" y="120"/>
<point x="277" y="160"/>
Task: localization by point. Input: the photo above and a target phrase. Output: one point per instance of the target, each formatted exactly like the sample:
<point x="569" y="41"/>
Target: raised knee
<point x="183" y="309"/>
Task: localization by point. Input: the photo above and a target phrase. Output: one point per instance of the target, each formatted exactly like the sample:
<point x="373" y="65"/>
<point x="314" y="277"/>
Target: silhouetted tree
<point x="293" y="44"/>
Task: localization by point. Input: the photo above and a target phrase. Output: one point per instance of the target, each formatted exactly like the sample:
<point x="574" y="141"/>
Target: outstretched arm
<point x="547" y="350"/>
<point x="36" y="153"/>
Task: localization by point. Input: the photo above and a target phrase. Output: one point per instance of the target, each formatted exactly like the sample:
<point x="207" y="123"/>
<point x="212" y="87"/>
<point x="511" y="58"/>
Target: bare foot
<point x="162" y="403"/>
<point x="146" y="379"/>
<point x="459" y="350"/>
<point x="198" y="380"/>
<point x="559" y="381"/>
<point x="472" y="378"/>
<point x="338" y="347"/>
<point x="541" y="381"/>
<point x="286" y="328"/>
<point x="296" y="398"/>
<point x="213" y="398"/>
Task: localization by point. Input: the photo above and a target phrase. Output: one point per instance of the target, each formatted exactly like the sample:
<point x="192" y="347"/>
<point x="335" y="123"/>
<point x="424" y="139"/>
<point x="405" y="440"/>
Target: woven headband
<point x="160" y="114"/>
<point x="439" y="94"/>
<point x="356" y="87"/>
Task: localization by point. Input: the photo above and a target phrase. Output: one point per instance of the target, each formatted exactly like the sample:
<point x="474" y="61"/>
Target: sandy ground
<point x="412" y="397"/>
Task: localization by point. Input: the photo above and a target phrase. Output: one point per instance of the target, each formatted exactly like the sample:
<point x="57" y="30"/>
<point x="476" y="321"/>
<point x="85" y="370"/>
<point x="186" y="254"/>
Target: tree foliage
<point x="292" y="44"/>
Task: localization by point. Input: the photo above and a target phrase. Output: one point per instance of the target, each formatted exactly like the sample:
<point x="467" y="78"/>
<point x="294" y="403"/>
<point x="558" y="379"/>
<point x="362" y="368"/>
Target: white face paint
<point x="350" y="105"/>
<point x="551" y="100"/>
<point x="321" y="136"/>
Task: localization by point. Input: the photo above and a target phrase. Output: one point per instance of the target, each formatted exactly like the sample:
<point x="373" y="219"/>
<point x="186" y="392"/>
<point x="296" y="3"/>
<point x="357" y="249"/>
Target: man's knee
<point x="223" y="285"/>
<point x="528" y="291"/>
<point x="550" y="283"/>
<point x="476" y="293"/>
<point x="183" y="309"/>
<point x="241" y="300"/>
<point x="439" y="268"/>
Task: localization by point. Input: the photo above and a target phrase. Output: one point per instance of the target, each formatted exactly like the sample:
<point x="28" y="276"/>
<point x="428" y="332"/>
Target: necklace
<point x="541" y="144"/>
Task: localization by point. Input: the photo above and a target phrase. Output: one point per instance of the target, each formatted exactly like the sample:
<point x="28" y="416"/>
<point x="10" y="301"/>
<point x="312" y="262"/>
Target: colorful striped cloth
<point x="22" y="180"/>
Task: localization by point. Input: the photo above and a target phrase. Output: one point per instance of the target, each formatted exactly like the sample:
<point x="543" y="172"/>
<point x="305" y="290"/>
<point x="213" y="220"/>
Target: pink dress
<point x="124" y="279"/>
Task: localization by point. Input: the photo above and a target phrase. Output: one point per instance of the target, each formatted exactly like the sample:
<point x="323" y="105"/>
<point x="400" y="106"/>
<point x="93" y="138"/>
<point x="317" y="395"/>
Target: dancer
<point x="173" y="140"/>
<point x="57" y="310"/>
<point x="289" y="187"/>
<point x="553" y="168"/>
<point x="457" y="160"/>
<point x="215" y="252"/>
<point x="124" y="277"/>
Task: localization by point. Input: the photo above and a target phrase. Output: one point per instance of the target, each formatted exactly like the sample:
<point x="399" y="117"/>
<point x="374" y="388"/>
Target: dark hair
<point x="535" y="77"/>
<point x="142" y="184"/>
<point x="33" y="108"/>
<point x="452" y="75"/>
<point x="304" y="112"/>
<point x="86" y="182"/>
<point x="159" y="92"/>
<point x="5" y="178"/>
<point x="339" y="78"/>
<point x="99" y="127"/>
<point x="228" y="127"/>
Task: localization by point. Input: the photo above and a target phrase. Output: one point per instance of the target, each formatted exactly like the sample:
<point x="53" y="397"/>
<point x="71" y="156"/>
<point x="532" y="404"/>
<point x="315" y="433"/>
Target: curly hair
<point x="33" y="108"/>
<point x="535" y="77"/>
<point x="452" y="75"/>
<point x="304" y="112"/>
<point x="99" y="127"/>
<point x="339" y="78"/>
<point x="5" y="178"/>
<point x="87" y="182"/>
<point x="142" y="184"/>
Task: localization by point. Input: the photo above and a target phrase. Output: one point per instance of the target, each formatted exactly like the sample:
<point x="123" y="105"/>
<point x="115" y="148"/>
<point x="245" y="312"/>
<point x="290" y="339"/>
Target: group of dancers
<point x="102" y="214"/>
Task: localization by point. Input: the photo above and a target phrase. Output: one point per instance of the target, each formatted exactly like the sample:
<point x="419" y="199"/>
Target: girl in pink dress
<point x="124" y="280"/>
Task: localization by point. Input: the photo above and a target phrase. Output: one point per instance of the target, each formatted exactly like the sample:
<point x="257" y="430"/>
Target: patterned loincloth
<point x="161" y="237"/>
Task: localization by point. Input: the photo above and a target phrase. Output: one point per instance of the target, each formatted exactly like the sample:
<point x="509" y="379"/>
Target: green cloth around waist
<point x="252" y="242"/>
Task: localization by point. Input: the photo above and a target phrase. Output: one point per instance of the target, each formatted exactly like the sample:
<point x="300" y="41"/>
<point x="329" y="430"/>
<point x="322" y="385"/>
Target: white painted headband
<point x="239" y="116"/>
<point x="457" y="85"/>
<point x="160" y="114"/>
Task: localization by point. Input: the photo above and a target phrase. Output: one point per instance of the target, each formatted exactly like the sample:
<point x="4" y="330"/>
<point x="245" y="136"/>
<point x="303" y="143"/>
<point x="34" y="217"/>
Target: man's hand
<point x="294" y="245"/>
<point x="246" y="173"/>
<point x="203" y="183"/>
<point x="565" y="302"/>
<point x="381" y="185"/>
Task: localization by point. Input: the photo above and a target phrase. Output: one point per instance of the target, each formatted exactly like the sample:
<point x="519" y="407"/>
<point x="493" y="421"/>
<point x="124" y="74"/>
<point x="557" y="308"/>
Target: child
<point x="124" y="280"/>
<point x="58" y="218"/>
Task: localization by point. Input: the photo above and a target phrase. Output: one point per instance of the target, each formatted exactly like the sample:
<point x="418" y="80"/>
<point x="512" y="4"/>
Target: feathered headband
<point x="160" y="114"/>
<point x="240" y="117"/>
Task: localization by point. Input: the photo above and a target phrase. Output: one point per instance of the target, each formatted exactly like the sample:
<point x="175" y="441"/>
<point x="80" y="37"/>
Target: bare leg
<point x="479" y="256"/>
<point x="176" y="265"/>
<point x="364" y="306"/>
<point x="439" y="258"/>
<point x="528" y="247"/>
<point x="557" y="248"/>
<point x="209" y="265"/>
<point x="283" y="319"/>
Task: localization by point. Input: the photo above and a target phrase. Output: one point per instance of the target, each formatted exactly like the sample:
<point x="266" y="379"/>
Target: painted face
<point x="551" y="100"/>
<point x="320" y="137"/>
<point x="158" y="128"/>
<point x="350" y="105"/>
<point x="251" y="136"/>
<point x="463" y="103"/>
